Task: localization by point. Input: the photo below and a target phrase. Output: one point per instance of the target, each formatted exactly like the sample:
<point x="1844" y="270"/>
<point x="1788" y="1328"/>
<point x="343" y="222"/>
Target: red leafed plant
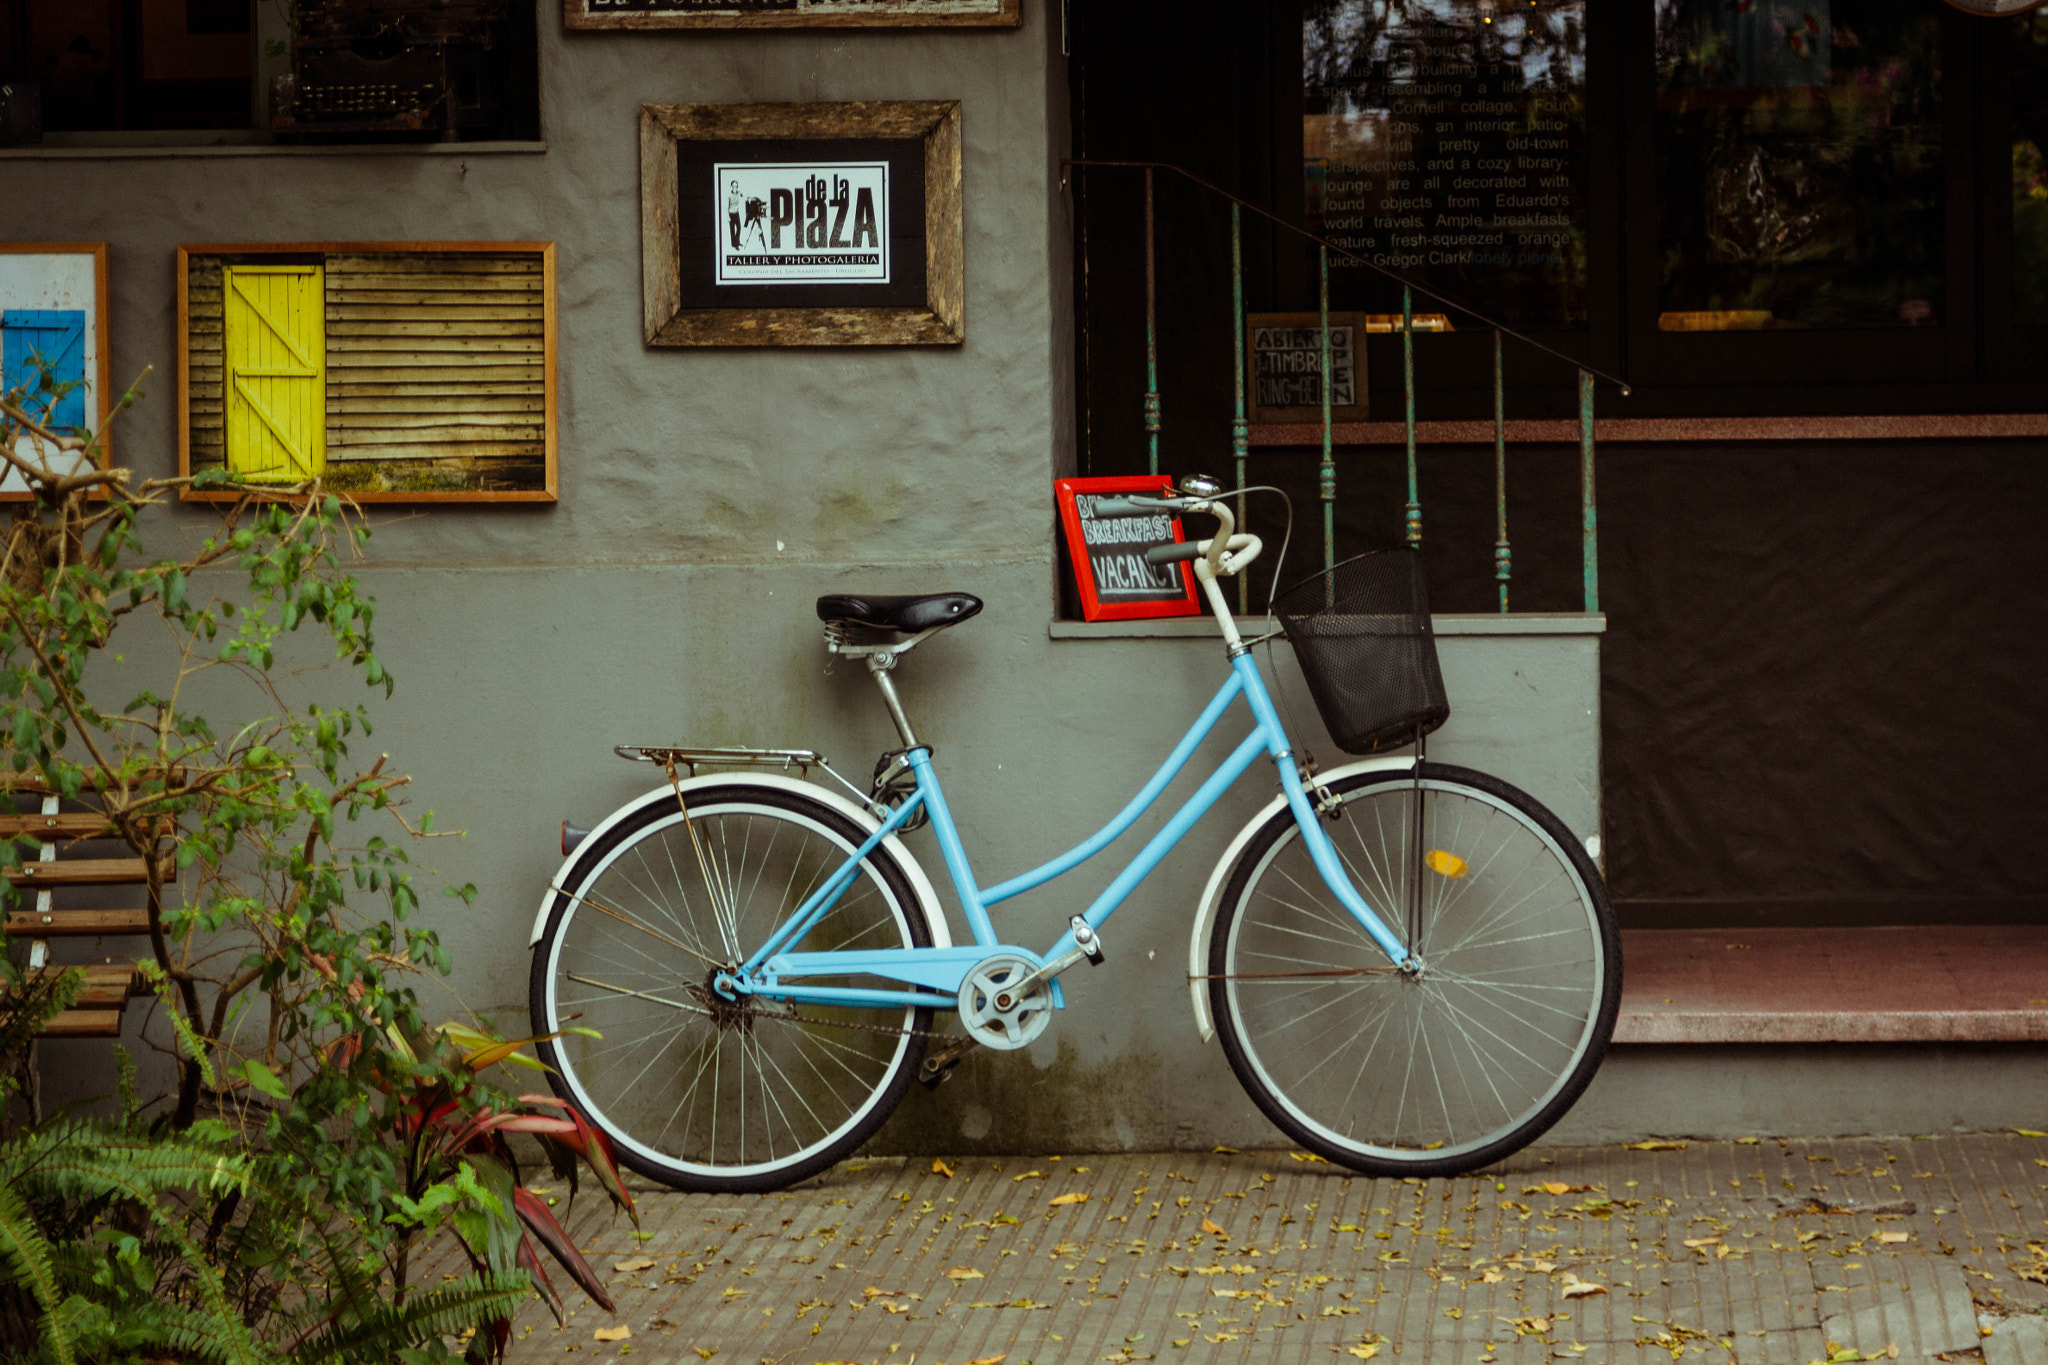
<point x="461" y="1171"/>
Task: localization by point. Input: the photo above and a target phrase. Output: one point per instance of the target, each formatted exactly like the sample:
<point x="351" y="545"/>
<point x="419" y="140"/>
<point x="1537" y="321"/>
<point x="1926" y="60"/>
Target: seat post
<point x="879" y="664"/>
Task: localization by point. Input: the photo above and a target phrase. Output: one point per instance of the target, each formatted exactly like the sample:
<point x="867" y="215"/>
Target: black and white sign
<point x="801" y="223"/>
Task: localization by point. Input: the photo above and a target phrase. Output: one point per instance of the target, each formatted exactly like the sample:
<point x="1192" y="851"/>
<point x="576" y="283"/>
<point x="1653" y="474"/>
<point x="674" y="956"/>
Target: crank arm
<point x="1087" y="948"/>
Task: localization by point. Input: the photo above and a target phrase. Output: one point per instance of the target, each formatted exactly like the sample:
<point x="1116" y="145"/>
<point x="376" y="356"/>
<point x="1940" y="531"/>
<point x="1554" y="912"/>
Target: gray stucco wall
<point x="708" y="496"/>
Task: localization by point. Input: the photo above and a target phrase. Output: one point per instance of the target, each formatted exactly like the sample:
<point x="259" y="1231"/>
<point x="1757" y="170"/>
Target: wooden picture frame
<point x="53" y="299"/>
<point x="1110" y="573"/>
<point x="921" y="299"/>
<point x="431" y="368"/>
<point x="661" y="14"/>
<point x="1301" y="397"/>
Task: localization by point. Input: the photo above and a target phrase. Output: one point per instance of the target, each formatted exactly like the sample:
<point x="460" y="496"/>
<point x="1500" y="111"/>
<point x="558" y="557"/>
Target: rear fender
<point x="1212" y="896"/>
<point x="920" y="885"/>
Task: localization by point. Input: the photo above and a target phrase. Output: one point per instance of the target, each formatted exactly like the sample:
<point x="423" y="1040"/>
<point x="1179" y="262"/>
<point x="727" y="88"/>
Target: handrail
<point x="1395" y="276"/>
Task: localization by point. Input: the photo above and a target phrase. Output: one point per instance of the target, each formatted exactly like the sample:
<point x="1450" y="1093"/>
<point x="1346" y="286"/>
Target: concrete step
<point x="1970" y="983"/>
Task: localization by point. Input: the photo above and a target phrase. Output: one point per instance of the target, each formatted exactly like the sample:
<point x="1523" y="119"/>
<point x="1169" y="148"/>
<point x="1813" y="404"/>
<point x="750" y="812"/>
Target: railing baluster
<point x="1329" y="468"/>
<point x="1240" y="430"/>
<point x="1408" y="384"/>
<point x="1590" y="534"/>
<point x="1502" y="559"/>
<point x="1151" y="334"/>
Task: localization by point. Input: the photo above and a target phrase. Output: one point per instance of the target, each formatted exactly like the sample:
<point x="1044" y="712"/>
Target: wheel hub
<point x="994" y="1012"/>
<point x="727" y="1011"/>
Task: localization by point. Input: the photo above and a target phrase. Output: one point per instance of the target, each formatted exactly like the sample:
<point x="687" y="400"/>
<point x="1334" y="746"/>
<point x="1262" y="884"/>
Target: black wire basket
<point x="1361" y="631"/>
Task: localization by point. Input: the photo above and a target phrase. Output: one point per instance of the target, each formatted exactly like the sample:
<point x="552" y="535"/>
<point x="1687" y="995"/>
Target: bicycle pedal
<point x="938" y="1068"/>
<point x="1087" y="940"/>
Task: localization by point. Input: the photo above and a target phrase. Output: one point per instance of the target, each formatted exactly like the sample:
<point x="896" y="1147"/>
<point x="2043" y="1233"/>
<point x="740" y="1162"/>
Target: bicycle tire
<point x="632" y="939"/>
<point x="1447" y="1071"/>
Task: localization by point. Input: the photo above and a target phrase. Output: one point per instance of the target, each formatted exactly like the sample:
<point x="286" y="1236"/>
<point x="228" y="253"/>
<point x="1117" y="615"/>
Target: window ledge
<point x="151" y="151"/>
<point x="1445" y="623"/>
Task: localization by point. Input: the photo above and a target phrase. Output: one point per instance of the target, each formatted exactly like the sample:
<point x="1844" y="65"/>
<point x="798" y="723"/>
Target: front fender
<point x="1212" y="895"/>
<point x="920" y="885"/>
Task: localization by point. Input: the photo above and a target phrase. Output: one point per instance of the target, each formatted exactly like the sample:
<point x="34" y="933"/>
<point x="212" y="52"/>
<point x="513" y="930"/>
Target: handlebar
<point x="1215" y="549"/>
<point x="1174" y="554"/>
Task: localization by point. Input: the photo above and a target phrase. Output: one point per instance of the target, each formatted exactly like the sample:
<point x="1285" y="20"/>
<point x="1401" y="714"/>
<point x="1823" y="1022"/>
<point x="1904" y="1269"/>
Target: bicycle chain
<point x="796" y="1016"/>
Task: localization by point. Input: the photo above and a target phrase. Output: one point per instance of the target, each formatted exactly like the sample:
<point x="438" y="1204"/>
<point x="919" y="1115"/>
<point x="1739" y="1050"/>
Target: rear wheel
<point x="1443" y="1070"/>
<point x="694" y="1089"/>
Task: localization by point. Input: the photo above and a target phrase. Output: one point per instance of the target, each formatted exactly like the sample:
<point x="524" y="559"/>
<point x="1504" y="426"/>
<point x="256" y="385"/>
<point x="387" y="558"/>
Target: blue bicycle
<point x="1414" y="967"/>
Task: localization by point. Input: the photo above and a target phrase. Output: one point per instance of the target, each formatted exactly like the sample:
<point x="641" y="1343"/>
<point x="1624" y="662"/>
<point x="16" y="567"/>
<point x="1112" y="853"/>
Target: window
<point x="124" y="71"/>
<point x="1747" y="207"/>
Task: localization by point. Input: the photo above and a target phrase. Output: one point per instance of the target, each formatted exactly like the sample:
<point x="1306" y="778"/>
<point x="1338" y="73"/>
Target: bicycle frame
<point x="774" y="973"/>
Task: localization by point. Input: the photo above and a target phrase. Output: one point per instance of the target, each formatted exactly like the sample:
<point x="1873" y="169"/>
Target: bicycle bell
<point x="1200" y="486"/>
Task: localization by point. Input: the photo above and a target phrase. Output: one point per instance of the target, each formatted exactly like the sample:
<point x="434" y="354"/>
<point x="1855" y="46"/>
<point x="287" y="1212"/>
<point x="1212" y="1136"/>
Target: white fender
<point x="1212" y="896"/>
<point x="920" y="885"/>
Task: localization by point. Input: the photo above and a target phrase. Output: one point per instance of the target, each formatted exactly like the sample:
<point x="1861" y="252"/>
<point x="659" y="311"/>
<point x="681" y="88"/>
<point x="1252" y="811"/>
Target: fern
<point x="447" y="1310"/>
<point x="28" y="1255"/>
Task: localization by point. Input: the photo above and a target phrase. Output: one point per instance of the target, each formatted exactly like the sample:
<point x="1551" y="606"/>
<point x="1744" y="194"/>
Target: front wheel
<point x="696" y="1089"/>
<point x="1440" y="1071"/>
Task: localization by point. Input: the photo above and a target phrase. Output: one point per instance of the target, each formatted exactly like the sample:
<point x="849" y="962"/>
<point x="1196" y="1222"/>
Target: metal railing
<point x="1240" y="427"/>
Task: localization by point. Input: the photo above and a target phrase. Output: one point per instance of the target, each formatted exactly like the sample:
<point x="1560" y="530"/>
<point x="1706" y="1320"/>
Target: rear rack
<point x="801" y="759"/>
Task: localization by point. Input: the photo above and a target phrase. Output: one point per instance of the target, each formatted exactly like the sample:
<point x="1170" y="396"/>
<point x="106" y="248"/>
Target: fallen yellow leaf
<point x="988" y="1360"/>
<point x="962" y="1273"/>
<point x="638" y="1263"/>
<point x="889" y="1307"/>
<point x="941" y="1168"/>
<point x="619" y="1333"/>
<point x="1445" y="864"/>
<point x="1028" y="1175"/>
<point x="1210" y="1226"/>
<point x="1579" y="1289"/>
<point x="1702" y="1241"/>
<point x="1654" y="1144"/>
<point x="706" y="1352"/>
<point x="1077" y="1197"/>
<point x="1894" y="1236"/>
<point x="1365" y="1350"/>
<point x="2029" y="1132"/>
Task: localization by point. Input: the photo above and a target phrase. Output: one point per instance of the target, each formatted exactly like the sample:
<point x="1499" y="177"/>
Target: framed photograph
<point x="395" y="371"/>
<point x="791" y="13"/>
<point x="801" y="224"/>
<point x="53" y="320"/>
<point x="1107" y="552"/>
<point x="1284" y="354"/>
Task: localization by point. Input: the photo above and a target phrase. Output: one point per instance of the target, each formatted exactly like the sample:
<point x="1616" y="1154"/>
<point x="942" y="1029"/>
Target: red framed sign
<point x="1108" y="552"/>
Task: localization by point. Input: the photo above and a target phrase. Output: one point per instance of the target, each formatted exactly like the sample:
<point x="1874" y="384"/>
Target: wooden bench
<point x="50" y="880"/>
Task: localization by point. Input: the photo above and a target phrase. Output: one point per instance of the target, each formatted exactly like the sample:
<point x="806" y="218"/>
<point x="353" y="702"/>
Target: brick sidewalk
<point x="1766" y="1251"/>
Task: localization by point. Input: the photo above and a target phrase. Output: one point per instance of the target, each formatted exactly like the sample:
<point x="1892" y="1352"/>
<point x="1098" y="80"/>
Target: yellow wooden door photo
<point x="274" y="335"/>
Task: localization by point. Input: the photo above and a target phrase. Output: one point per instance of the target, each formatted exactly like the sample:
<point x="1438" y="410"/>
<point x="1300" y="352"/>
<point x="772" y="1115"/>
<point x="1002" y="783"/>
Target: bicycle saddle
<point x="906" y="614"/>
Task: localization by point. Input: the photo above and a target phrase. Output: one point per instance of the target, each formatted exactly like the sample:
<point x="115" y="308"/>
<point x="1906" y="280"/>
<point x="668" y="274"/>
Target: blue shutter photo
<point x="30" y="337"/>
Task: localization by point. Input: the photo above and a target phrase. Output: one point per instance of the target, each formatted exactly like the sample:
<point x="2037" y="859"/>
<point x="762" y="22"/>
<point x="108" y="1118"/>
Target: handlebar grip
<point x="1173" y="554"/>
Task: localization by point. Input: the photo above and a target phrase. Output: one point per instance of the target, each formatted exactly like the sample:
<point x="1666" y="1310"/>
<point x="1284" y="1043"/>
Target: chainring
<point x="990" y="1021"/>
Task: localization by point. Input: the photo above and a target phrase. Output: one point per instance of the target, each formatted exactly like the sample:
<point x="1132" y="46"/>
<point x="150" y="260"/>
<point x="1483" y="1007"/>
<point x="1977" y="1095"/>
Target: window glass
<point x="2029" y="170"/>
<point x="1798" y="164"/>
<point x="1446" y="139"/>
